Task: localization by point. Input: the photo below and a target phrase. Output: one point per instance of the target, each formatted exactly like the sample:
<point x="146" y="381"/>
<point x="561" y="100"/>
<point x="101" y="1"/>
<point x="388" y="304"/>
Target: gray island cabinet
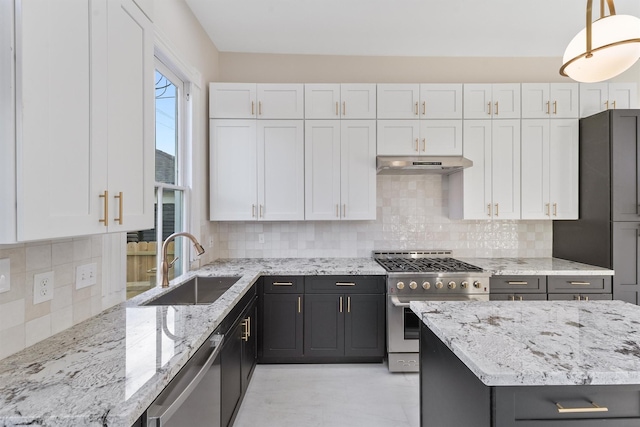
<point x="538" y="363"/>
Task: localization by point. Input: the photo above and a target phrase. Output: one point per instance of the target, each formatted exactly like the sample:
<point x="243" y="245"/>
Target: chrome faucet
<point x="165" y="265"/>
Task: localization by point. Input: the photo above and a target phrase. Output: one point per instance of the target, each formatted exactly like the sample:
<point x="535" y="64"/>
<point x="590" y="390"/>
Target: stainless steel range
<point x="422" y="276"/>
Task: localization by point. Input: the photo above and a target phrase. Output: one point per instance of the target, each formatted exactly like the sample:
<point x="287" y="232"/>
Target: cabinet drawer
<point x="283" y="284"/>
<point x="518" y="297"/>
<point x="534" y="406"/>
<point x="519" y="284"/>
<point x="345" y="284"/>
<point x="579" y="284"/>
<point x="580" y="297"/>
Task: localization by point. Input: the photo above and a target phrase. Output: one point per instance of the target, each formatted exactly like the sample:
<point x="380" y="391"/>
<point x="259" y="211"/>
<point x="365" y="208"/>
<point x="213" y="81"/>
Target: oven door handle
<point x="396" y="302"/>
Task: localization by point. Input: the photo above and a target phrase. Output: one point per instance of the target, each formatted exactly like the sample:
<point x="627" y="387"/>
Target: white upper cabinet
<point x="550" y="100"/>
<point x="597" y="97"/>
<point x="419" y="138"/>
<point x="549" y="169"/>
<point x="340" y="173"/>
<point x="419" y="101"/>
<point x="340" y="101"/>
<point x="261" y="101"/>
<point x="492" y="101"/>
<point x="440" y="101"/>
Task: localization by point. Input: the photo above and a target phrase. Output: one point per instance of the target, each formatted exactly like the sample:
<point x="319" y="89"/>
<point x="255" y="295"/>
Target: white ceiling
<point x="397" y="27"/>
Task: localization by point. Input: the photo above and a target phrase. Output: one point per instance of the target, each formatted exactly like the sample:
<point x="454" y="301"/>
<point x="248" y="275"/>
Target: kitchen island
<point x="551" y="363"/>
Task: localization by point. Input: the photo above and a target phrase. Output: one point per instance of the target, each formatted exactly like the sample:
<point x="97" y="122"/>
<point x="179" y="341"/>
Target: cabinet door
<point x="505" y="169"/>
<point x="280" y="101"/>
<point x="280" y="170"/>
<point x="518" y="297"/>
<point x="233" y="155"/>
<point x="232" y="100"/>
<point x="322" y="101"/>
<point x="358" y="101"/>
<point x="625" y="162"/>
<point x="282" y="326"/>
<point x="322" y="169"/>
<point x="476" y="180"/>
<point x="61" y="163"/>
<point x="398" y="101"/>
<point x="506" y="100"/>
<point x="626" y="261"/>
<point x="398" y="137"/>
<point x="131" y="118"/>
<point x="536" y="102"/>
<point x="623" y="95"/>
<point x="249" y="344"/>
<point x="535" y="169"/>
<point x="231" y="374"/>
<point x="563" y="168"/>
<point x="365" y="325"/>
<point x="564" y="101"/>
<point x="441" y="137"/>
<point x="441" y="101"/>
<point x="594" y="97"/>
<point x="579" y="297"/>
<point x="324" y="325"/>
<point x="358" y="169"/>
<point x="477" y="101"/>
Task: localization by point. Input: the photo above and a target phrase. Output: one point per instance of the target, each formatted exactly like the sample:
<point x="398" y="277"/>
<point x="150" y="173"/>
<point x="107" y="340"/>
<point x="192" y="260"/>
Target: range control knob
<point x="438" y="285"/>
<point x="413" y="285"/>
<point x="400" y="285"/>
<point x="464" y="285"/>
<point x="477" y="284"/>
<point x="451" y="285"/>
<point x="426" y="285"/>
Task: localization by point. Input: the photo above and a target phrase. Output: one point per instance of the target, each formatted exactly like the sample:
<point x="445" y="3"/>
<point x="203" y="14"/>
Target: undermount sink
<point x="197" y="290"/>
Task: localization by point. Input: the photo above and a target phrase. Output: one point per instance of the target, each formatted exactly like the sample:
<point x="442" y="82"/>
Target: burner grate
<point x="426" y="265"/>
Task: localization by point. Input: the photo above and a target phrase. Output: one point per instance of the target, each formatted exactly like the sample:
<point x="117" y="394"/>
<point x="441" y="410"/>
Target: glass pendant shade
<point x="615" y="47"/>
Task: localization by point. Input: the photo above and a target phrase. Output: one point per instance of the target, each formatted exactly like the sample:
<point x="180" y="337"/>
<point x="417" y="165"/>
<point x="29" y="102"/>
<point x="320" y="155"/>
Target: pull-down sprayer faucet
<point x="165" y="265"/>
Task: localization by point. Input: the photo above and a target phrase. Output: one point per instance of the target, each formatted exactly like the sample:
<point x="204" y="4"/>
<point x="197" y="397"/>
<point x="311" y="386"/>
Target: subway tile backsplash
<point x="412" y="213"/>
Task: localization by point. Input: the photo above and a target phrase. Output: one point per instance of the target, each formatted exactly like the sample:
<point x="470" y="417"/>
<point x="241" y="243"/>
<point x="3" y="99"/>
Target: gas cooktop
<point x="423" y="262"/>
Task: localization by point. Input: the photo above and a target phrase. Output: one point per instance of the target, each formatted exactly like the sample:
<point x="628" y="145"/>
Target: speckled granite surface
<point x="540" y="342"/>
<point x="107" y="370"/>
<point x="537" y="266"/>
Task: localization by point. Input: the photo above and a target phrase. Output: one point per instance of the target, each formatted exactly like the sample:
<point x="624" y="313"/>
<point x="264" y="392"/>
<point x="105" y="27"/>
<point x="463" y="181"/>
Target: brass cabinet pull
<point x="614" y="105"/>
<point x="299" y="304"/>
<point x="120" y="208"/>
<point x="497" y="209"/>
<point x="555" y="209"/>
<point x="520" y="298"/>
<point x="606" y="105"/>
<point x="348" y="304"/>
<point x="548" y="210"/>
<point x="337" y="113"/>
<point x="489" y="108"/>
<point x="282" y="283"/>
<point x="416" y="108"/>
<point x="593" y="408"/>
<point x="496" y="108"/>
<point x="344" y="210"/>
<point x="424" y="144"/>
<point x="424" y="108"/>
<point x="517" y="283"/>
<point x="489" y="209"/>
<point x="586" y="298"/>
<point x="577" y="298"/>
<point x="340" y="304"/>
<point x="548" y="108"/>
<point x="555" y="107"/>
<point x="337" y="211"/>
<point x="344" y="108"/>
<point x="253" y="211"/>
<point x="245" y="334"/>
<point x="105" y="196"/>
<point x="259" y="108"/>
<point x="512" y="297"/>
<point x="580" y="283"/>
<point x="261" y="213"/>
<point x="253" y="108"/>
<point x="345" y="284"/>
<point x="417" y="147"/>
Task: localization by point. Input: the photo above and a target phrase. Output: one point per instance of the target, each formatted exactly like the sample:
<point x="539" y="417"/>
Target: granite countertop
<point x="540" y="342"/>
<point x="537" y="266"/>
<point x="108" y="369"/>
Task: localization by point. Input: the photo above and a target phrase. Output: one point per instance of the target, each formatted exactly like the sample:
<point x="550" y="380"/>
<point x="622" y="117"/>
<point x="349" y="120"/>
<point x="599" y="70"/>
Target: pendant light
<point x="612" y="46"/>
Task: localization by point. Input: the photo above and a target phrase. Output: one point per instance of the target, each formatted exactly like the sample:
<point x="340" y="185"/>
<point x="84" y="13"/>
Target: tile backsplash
<point x="412" y="213"/>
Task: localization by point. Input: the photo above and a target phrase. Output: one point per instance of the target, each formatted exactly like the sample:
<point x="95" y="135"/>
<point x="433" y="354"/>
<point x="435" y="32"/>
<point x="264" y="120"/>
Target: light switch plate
<point x="86" y="275"/>
<point x="5" y="275"/>
<point x="43" y="287"/>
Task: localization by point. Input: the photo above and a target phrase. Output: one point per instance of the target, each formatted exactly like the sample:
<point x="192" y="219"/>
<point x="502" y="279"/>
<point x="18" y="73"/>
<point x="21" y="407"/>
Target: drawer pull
<point x="517" y="283"/>
<point x="593" y="408"/>
<point x="282" y="284"/>
<point x="580" y="283"/>
<point x="345" y="284"/>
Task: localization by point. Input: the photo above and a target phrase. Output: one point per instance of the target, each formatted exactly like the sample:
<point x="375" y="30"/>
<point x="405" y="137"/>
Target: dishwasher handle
<point x="164" y="412"/>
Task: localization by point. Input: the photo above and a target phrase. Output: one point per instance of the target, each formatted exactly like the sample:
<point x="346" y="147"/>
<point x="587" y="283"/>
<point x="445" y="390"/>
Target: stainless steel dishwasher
<point x="192" y="398"/>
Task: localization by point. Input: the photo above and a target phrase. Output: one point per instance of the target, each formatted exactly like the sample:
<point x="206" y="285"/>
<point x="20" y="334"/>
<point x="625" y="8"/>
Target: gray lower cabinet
<point x="518" y="288"/>
<point x="626" y="261"/>
<point x="553" y="287"/>
<point x="580" y="297"/>
<point x="446" y="383"/>
<point x="517" y="297"/>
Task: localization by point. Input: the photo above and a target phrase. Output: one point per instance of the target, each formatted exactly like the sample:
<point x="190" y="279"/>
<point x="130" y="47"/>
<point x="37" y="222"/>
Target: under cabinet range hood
<point x="420" y="165"/>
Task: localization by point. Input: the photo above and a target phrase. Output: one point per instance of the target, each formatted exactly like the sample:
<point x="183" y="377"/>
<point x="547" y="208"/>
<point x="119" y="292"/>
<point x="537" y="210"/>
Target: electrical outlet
<point x="261" y="238"/>
<point x="43" y="287"/>
<point x="86" y="275"/>
<point x="5" y="275"/>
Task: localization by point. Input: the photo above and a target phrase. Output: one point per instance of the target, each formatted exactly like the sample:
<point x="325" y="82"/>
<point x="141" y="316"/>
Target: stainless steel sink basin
<point x="197" y="290"/>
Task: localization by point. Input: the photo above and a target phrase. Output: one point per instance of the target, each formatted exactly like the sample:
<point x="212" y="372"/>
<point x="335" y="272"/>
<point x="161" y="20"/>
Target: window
<point x="144" y="247"/>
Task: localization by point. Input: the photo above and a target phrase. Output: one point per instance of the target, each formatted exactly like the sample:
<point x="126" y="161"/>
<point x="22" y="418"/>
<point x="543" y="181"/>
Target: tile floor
<point x="349" y="395"/>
